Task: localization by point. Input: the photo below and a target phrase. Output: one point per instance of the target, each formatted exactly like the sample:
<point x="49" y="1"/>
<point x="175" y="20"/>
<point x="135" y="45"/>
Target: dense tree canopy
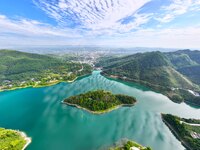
<point x="183" y="130"/>
<point x="99" y="100"/>
<point x="127" y="145"/>
<point x="11" y="140"/>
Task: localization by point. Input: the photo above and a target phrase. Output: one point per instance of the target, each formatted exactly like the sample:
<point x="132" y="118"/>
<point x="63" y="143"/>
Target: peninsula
<point x="99" y="101"/>
<point x="12" y="139"/>
<point x="174" y="74"/>
<point x="186" y="130"/>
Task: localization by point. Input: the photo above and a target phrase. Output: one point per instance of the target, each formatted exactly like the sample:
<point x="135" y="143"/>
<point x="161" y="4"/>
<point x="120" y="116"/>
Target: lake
<point x="56" y="126"/>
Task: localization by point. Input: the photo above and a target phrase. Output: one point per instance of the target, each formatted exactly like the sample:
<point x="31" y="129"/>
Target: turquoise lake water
<point x="55" y="126"/>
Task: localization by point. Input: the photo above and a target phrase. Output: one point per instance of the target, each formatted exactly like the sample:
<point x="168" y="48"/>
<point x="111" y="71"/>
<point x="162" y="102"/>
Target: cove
<point x="52" y="125"/>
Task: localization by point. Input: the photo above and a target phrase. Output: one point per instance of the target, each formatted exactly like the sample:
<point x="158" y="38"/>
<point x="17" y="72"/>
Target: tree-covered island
<point x="99" y="101"/>
<point x="13" y="140"/>
<point x="129" y="145"/>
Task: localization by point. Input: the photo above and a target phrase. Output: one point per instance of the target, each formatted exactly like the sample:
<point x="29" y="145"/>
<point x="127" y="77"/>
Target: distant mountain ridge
<point x="163" y="72"/>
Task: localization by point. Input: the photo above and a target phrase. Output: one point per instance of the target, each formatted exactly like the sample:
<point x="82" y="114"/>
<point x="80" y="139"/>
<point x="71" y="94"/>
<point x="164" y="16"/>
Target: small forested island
<point x="21" y="70"/>
<point x="99" y="101"/>
<point x="129" y="145"/>
<point x="13" y="140"/>
<point x="186" y="130"/>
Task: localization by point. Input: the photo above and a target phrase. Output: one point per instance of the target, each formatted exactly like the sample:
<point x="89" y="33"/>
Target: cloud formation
<point x="95" y="14"/>
<point x="108" y="22"/>
<point x="176" y="8"/>
<point x="27" y="27"/>
<point x="113" y="16"/>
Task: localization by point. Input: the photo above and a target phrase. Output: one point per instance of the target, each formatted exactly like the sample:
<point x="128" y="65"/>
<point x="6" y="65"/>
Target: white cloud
<point x="30" y="32"/>
<point x="196" y="5"/>
<point x="93" y="14"/>
<point x="176" y="8"/>
<point x="111" y="22"/>
<point x="179" y="7"/>
<point x="2" y="17"/>
<point x="170" y="38"/>
<point x="32" y="28"/>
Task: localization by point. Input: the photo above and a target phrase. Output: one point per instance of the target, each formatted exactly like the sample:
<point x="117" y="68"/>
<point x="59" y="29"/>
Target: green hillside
<point x="155" y="70"/>
<point x="194" y="55"/>
<point x="192" y="72"/>
<point x="18" y="69"/>
<point x="187" y="62"/>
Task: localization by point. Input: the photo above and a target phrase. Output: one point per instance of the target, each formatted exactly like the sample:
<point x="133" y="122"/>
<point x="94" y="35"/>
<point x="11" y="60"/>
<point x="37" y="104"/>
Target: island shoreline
<point x="22" y="135"/>
<point x="28" y="139"/>
<point x="98" y="112"/>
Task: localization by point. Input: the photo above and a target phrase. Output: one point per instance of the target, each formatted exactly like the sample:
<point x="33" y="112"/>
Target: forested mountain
<point x="187" y="62"/>
<point x="163" y="72"/>
<point x="22" y="69"/>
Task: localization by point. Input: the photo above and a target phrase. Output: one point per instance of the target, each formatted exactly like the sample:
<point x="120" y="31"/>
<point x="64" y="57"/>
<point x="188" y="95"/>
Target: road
<point x="191" y="124"/>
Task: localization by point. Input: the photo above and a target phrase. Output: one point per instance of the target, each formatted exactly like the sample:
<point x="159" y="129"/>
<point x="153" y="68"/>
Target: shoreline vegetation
<point x="176" y="95"/>
<point x="45" y="85"/>
<point x="165" y="73"/>
<point x="187" y="131"/>
<point x="128" y="145"/>
<point x="98" y="112"/>
<point x="22" y="70"/>
<point x="99" y="101"/>
<point x="13" y="139"/>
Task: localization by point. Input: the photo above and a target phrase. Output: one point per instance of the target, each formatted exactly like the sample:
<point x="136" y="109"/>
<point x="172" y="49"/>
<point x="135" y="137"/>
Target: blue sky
<point x="119" y="23"/>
